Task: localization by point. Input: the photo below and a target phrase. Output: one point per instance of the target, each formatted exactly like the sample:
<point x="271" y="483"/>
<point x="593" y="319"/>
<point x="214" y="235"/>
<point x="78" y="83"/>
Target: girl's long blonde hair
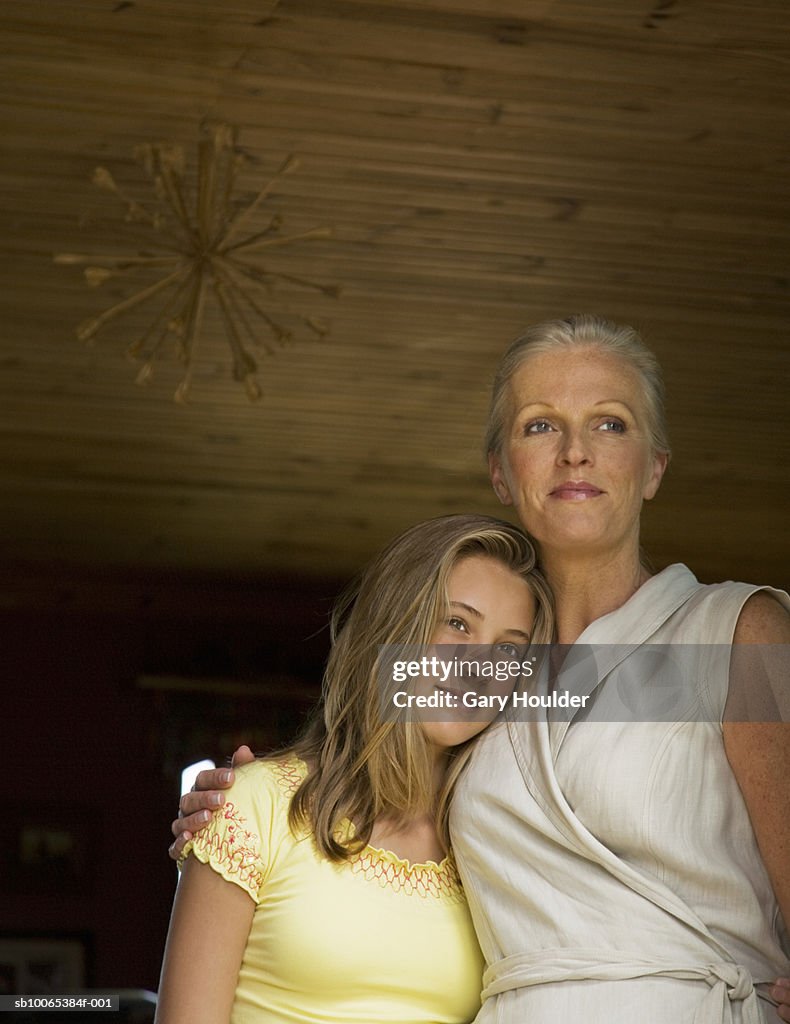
<point x="361" y="763"/>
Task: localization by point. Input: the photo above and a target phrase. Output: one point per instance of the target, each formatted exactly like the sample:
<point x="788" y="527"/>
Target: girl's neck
<point x="416" y="839"/>
<point x="440" y="762"/>
<point x="588" y="586"/>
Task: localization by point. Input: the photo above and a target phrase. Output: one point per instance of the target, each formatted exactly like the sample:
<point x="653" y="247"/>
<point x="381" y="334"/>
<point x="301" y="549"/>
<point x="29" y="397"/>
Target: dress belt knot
<point x="728" y="983"/>
<point x="737" y="979"/>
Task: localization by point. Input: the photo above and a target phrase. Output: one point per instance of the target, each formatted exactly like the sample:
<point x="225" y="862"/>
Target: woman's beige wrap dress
<point x="610" y="865"/>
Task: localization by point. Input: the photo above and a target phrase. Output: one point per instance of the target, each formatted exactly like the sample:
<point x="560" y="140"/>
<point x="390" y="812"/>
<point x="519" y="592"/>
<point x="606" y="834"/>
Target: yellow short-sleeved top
<point x="372" y="940"/>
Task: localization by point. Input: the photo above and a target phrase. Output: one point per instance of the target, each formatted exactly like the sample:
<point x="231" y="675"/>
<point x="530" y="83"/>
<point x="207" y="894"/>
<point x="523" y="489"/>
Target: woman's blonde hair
<point x="582" y="331"/>
<point x="361" y="763"/>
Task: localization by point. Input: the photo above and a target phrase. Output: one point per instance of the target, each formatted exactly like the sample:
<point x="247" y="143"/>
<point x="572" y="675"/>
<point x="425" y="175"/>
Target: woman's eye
<point x="537" y="427"/>
<point x="455" y="623"/>
<point x="613" y="426"/>
<point x="511" y="651"/>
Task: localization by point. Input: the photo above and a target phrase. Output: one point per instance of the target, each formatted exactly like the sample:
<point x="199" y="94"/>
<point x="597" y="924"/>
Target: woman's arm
<point x="759" y="753"/>
<point x="208" y="932"/>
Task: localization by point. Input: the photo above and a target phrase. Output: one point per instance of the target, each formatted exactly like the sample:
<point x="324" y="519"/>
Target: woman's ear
<point x="498" y="479"/>
<point x="660" y="463"/>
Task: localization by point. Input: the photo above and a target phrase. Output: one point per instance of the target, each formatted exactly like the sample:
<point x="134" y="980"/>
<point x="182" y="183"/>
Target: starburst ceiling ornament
<point x="201" y="250"/>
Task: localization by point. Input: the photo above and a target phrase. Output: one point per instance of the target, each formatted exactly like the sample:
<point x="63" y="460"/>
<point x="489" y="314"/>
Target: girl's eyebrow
<point x="479" y="615"/>
<point x="469" y="608"/>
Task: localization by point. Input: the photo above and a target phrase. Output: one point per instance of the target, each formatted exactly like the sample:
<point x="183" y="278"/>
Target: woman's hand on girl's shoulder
<point x="196" y="807"/>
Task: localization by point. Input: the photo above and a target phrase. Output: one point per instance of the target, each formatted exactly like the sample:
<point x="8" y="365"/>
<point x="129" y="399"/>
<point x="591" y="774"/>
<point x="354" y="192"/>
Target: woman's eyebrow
<point x="540" y="404"/>
<point x="615" y="401"/>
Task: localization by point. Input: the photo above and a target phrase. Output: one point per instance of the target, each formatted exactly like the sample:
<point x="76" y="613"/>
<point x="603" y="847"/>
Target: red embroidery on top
<point x="290" y="774"/>
<point x="232" y="847"/>
<point x="439" y="881"/>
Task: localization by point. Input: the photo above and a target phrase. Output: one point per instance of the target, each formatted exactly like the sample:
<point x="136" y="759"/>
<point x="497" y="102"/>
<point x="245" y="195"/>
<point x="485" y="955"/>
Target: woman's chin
<point x="576" y="538"/>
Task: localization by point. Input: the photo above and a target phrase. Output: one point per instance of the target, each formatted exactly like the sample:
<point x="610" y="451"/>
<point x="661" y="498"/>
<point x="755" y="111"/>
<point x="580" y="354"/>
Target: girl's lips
<point x="576" y="491"/>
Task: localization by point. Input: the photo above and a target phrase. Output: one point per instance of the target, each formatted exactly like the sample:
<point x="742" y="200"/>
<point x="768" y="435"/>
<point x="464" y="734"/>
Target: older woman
<point x="639" y="870"/>
<point x="648" y="859"/>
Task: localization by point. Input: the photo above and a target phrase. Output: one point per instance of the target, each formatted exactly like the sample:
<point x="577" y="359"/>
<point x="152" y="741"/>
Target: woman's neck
<point x="589" y="586"/>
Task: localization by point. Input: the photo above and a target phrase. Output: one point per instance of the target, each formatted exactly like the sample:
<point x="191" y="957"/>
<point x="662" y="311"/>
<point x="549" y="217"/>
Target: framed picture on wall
<point x="42" y="965"/>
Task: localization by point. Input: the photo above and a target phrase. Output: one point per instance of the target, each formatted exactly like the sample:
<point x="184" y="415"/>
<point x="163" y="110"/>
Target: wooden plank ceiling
<point x="483" y="164"/>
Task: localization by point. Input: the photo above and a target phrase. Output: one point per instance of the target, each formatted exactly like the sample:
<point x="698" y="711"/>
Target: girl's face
<point x="489" y="619"/>
<point x="576" y="462"/>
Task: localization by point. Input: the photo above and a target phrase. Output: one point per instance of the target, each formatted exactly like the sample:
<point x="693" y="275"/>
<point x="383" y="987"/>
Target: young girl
<point x="323" y="890"/>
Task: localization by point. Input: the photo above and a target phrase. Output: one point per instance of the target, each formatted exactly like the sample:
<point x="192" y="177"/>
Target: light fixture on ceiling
<point x="201" y="248"/>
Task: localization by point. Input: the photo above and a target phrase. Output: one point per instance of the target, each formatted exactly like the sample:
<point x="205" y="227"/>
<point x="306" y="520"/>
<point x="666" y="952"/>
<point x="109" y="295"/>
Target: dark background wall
<point x="112" y="685"/>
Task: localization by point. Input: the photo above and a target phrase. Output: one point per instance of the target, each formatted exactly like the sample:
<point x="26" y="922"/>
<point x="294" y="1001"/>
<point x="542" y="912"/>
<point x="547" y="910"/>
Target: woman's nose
<point x="575" y="449"/>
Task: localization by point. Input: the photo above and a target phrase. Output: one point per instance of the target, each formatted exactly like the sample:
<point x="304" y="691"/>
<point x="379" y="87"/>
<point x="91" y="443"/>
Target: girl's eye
<point x="511" y="651"/>
<point x="613" y="426"/>
<point x="537" y="427"/>
<point x="455" y="623"/>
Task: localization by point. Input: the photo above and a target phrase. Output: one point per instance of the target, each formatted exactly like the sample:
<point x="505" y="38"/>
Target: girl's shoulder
<point x="280" y="775"/>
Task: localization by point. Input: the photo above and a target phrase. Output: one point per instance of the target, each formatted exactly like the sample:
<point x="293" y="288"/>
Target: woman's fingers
<point x="781" y="993"/>
<point x="242" y="756"/>
<point x="195" y="821"/>
<point x="196" y="807"/>
<point x="213" y="778"/>
<point x="177" y="848"/>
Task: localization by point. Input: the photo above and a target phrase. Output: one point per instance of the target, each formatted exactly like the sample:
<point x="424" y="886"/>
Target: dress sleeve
<point x="241" y="839"/>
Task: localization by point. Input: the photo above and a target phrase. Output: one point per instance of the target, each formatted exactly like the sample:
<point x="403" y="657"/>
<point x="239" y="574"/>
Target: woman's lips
<point x="576" y="490"/>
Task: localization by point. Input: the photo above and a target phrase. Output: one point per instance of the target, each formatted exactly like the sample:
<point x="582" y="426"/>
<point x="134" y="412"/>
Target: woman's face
<point x="576" y="461"/>
<point x="489" y="619"/>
